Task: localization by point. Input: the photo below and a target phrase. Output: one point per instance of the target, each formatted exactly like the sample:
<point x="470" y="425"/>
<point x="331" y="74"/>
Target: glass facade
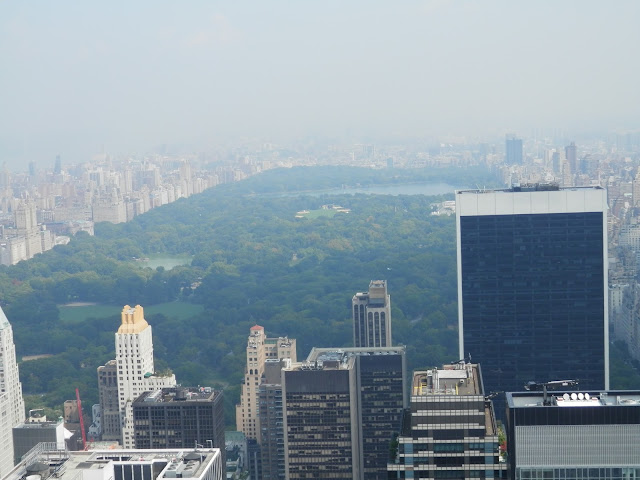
<point x="381" y="408"/>
<point x="533" y="298"/>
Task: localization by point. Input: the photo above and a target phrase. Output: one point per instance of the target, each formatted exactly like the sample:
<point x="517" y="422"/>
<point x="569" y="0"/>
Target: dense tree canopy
<point x="252" y="262"/>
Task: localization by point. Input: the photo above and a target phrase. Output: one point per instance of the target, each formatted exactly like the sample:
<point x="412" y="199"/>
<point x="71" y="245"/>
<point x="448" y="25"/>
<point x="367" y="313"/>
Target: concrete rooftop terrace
<point x="451" y="380"/>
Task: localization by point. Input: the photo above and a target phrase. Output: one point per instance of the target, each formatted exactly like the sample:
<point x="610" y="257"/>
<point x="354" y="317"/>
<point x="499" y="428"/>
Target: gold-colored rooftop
<point x="132" y="320"/>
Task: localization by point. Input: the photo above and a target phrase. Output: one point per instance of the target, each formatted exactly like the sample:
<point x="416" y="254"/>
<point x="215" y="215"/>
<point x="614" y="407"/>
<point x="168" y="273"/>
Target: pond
<point x="166" y="261"/>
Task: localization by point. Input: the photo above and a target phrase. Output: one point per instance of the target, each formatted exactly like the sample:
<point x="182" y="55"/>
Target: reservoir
<point x="388" y="189"/>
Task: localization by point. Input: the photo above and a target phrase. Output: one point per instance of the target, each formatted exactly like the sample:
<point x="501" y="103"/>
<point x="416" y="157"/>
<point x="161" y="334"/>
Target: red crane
<point x="84" y="436"/>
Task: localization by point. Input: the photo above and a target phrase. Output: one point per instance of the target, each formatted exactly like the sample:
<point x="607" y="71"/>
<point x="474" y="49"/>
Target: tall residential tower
<point x="372" y="316"/>
<point x="532" y="285"/>
<point x="134" y="374"/>
<point x="259" y="350"/>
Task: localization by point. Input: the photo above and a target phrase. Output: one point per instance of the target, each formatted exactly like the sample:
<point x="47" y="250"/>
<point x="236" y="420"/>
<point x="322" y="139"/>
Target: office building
<point x="179" y="417"/>
<point x="270" y="410"/>
<point x="532" y="285"/>
<point x="260" y="348"/>
<point x="372" y="316"/>
<point x="135" y="374"/>
<point x="47" y="461"/>
<point x="12" y="411"/>
<point x="342" y="408"/>
<point x="574" y="435"/>
<point x="449" y="431"/>
<point x="513" y="150"/>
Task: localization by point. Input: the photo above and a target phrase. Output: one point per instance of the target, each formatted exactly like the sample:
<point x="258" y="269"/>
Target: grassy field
<point x="78" y="314"/>
<point x="321" y="212"/>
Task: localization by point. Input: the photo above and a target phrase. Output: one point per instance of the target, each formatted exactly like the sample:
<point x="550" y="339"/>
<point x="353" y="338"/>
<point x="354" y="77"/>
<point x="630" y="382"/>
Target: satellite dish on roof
<point x="581" y="396"/>
<point x="587" y="396"/>
<point x="566" y="397"/>
<point x="574" y="396"/>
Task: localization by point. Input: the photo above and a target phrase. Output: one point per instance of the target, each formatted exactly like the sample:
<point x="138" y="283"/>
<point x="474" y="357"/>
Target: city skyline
<point x="85" y="79"/>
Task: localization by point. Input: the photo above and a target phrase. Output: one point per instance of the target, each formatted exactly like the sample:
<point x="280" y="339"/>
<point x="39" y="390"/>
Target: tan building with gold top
<point x="130" y="374"/>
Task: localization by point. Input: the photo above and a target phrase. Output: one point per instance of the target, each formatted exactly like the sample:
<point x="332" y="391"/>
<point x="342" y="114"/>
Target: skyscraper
<point x="532" y="285"/>
<point x="135" y="374"/>
<point x="179" y="417"/>
<point x="259" y="349"/>
<point x="372" y="316"/>
<point x="271" y="431"/>
<point x="11" y="401"/>
<point x="450" y="429"/>
<point x="571" y="153"/>
<point x="341" y="409"/>
<point x="513" y="150"/>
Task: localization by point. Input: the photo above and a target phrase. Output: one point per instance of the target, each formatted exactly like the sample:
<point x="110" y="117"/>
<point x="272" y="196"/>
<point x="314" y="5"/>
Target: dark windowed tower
<point x="513" y="150"/>
<point x="532" y="285"/>
<point x="179" y="417"/>
<point x="372" y="316"/>
<point x="341" y="409"/>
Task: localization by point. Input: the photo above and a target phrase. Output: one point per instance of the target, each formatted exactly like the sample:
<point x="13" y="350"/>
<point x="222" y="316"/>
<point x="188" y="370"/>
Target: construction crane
<point x="84" y="436"/>
<point x="537" y="386"/>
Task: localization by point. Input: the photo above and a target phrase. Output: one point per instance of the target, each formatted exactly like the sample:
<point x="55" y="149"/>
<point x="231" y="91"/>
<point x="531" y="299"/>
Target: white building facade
<point x="135" y="368"/>
<point x="11" y="402"/>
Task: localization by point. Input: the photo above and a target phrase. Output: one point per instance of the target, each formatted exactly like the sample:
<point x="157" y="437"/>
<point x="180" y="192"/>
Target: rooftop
<point x="530" y="187"/>
<point x="456" y="379"/>
<point x="574" y="399"/>
<point x="336" y="357"/>
<point x="178" y="394"/>
<point x="47" y="461"/>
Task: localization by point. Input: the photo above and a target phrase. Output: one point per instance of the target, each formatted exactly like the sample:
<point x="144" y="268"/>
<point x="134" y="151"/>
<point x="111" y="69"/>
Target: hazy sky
<point x="130" y="75"/>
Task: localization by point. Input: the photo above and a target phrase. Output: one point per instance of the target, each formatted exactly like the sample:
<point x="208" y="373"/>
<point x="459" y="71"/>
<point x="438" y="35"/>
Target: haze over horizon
<point x="129" y="76"/>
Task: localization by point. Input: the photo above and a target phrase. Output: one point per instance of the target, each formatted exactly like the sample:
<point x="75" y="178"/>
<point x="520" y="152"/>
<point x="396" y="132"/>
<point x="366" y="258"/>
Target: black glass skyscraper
<point x="532" y="285"/>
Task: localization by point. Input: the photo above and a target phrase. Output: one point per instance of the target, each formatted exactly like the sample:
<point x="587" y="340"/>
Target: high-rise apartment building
<point x="11" y="401"/>
<point x="260" y="348"/>
<point x="450" y="429"/>
<point x="372" y="316"/>
<point x="574" y="435"/>
<point x="513" y="150"/>
<point x="341" y="409"/>
<point x="135" y="375"/>
<point x="532" y="285"/>
<point x="179" y="417"/>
